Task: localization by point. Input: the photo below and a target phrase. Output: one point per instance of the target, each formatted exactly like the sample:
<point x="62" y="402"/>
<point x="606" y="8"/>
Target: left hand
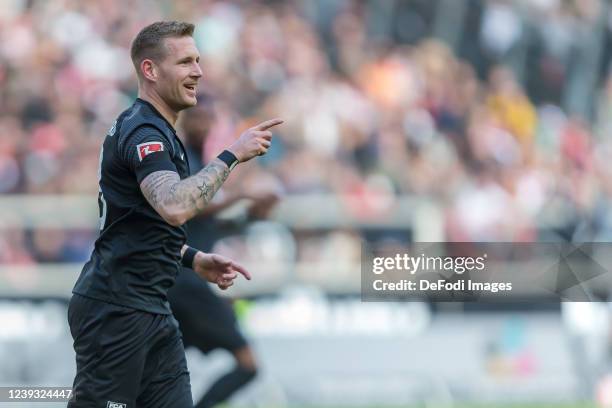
<point x="218" y="269"/>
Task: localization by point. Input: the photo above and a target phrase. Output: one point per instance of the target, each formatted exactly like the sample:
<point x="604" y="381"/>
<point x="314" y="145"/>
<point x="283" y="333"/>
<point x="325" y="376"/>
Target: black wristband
<point x="228" y="158"/>
<point x="188" y="256"/>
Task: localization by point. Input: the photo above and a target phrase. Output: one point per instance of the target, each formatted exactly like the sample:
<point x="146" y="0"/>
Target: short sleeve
<point x="145" y="151"/>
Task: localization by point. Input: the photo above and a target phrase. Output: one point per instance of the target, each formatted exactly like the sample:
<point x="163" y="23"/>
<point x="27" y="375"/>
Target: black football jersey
<point x="137" y="255"/>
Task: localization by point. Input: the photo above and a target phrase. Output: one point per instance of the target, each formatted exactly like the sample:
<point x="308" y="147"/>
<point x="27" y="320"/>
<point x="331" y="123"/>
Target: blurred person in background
<point x="128" y="346"/>
<point x="206" y="320"/>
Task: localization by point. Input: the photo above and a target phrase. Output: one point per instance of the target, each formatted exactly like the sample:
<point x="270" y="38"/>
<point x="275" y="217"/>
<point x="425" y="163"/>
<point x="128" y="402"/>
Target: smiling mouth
<point x="191" y="87"/>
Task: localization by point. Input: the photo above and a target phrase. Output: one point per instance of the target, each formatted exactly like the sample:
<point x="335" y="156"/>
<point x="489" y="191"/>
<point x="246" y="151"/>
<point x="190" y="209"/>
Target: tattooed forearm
<point x="196" y="191"/>
<point x="180" y="200"/>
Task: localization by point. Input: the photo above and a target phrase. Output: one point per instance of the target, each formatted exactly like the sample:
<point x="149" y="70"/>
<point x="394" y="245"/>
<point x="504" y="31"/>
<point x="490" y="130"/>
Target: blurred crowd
<point x="374" y="106"/>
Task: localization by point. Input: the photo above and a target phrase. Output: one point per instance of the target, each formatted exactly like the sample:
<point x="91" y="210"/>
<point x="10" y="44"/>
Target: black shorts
<point x="206" y="320"/>
<point x="126" y="356"/>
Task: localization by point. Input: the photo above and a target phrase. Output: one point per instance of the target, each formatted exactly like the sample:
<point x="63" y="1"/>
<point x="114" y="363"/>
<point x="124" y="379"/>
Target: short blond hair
<point x="149" y="43"/>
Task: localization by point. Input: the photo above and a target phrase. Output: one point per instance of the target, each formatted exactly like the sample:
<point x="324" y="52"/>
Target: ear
<point x="149" y="70"/>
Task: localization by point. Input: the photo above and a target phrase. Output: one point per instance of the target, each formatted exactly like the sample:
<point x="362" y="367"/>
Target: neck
<point x="154" y="99"/>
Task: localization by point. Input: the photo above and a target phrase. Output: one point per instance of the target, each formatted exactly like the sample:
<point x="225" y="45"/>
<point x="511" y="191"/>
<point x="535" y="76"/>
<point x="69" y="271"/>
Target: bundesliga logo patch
<point x="111" y="404"/>
<point x="145" y="149"/>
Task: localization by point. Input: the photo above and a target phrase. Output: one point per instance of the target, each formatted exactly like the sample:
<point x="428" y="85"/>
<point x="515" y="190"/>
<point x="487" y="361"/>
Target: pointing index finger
<point x="239" y="268"/>
<point x="268" y="124"/>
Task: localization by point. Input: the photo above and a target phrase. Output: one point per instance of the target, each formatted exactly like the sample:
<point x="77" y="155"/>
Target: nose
<point x="197" y="71"/>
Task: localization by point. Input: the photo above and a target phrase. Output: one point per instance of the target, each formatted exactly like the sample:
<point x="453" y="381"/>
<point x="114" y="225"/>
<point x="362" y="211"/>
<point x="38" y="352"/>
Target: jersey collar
<point x="154" y="109"/>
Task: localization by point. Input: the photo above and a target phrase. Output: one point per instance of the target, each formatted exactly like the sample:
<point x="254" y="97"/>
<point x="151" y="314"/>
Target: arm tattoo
<point x="197" y="191"/>
<point x="164" y="189"/>
<point x="154" y="188"/>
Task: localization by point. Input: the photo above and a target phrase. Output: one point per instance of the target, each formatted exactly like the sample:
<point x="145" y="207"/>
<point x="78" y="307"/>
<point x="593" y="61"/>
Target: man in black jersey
<point x="128" y="347"/>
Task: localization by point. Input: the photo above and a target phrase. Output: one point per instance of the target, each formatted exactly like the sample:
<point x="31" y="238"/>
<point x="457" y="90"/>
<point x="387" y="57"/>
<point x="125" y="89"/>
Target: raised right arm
<point x="177" y="201"/>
